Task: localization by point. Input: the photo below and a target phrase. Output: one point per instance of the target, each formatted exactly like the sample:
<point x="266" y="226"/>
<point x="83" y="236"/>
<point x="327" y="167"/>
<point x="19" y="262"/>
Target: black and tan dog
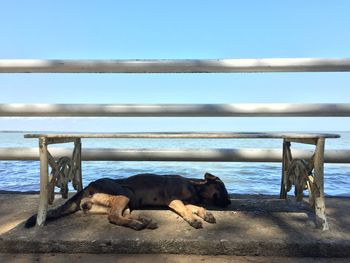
<point x="117" y="197"/>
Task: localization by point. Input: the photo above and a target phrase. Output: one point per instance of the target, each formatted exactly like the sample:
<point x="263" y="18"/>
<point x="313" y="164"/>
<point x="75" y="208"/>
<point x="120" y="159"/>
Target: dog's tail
<point x="69" y="207"/>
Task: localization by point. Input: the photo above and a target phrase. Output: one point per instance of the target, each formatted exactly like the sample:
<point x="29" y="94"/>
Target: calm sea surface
<point x="253" y="178"/>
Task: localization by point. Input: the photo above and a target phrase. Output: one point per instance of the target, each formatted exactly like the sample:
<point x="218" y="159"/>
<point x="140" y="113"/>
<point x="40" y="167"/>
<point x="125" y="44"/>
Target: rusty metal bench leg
<point x="77" y="163"/>
<point x="286" y="159"/>
<point x="44" y="179"/>
<point x="320" y="209"/>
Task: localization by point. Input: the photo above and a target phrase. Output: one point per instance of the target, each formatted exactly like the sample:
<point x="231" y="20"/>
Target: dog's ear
<point x="210" y="177"/>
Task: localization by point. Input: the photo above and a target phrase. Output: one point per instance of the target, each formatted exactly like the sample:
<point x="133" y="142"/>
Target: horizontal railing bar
<point x="176" y="65"/>
<point x="188" y="155"/>
<point x="177" y="110"/>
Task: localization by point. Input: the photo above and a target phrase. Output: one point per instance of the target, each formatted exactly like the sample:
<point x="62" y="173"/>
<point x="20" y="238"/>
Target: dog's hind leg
<point x="90" y="207"/>
<point x="179" y="207"/>
<point x="116" y="206"/>
<point x="115" y="216"/>
<point x="95" y="205"/>
<point x="202" y="213"/>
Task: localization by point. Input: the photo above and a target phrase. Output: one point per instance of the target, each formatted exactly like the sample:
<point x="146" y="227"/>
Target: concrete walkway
<point x="252" y="226"/>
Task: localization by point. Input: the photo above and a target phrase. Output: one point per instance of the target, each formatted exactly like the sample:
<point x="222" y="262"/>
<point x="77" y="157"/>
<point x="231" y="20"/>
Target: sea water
<point x="239" y="177"/>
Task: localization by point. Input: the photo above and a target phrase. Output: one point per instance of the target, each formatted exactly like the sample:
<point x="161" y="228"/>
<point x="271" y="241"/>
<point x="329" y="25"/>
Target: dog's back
<point x="159" y="190"/>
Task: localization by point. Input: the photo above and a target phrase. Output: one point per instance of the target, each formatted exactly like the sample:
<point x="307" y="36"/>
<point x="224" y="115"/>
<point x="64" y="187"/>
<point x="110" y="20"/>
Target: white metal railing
<point x="176" y="65"/>
<point x="176" y="110"/>
<point x="189" y="155"/>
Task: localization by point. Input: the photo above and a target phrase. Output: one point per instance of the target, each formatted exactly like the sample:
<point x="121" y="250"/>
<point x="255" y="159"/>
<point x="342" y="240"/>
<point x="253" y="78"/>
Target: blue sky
<point x="177" y="29"/>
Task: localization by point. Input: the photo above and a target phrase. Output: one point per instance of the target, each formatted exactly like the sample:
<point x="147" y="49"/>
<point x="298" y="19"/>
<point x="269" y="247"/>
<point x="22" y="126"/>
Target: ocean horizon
<point x="239" y="177"/>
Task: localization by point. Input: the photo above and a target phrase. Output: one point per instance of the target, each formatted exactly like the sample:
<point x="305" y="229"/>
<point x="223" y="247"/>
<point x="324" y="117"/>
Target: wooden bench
<point x="296" y="172"/>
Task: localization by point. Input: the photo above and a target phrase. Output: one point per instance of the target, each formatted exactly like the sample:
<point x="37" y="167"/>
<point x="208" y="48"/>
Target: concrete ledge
<point x="239" y="248"/>
<point x="152" y="258"/>
<point x="252" y="226"/>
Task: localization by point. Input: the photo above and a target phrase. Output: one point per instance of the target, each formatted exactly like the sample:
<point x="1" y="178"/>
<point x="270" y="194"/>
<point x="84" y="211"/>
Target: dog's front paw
<point x="209" y="217"/>
<point x="195" y="223"/>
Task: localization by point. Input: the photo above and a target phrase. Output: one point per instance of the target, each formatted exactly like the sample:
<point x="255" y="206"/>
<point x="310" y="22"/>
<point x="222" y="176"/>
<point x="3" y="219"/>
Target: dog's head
<point x="213" y="191"/>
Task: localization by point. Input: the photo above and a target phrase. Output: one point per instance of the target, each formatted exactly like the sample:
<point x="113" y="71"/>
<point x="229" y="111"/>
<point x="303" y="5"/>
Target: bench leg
<point x="286" y="159"/>
<point x="320" y="208"/>
<point x="77" y="163"/>
<point x="44" y="180"/>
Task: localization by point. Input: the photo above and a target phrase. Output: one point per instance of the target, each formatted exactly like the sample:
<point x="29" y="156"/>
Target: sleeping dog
<point x="117" y="197"/>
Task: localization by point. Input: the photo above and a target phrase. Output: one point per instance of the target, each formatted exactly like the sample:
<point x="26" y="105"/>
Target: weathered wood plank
<point x="189" y="135"/>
